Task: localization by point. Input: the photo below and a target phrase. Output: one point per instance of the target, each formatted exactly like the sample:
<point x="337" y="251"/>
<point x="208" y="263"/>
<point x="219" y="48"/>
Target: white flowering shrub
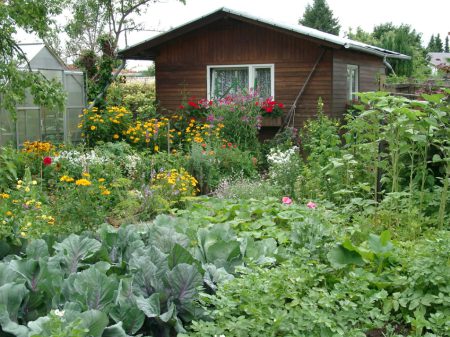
<point x="284" y="167"/>
<point x="75" y="161"/>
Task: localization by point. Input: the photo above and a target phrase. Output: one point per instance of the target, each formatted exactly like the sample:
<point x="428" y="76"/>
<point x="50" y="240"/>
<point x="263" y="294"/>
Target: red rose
<point x="281" y="105"/>
<point x="47" y="161"/>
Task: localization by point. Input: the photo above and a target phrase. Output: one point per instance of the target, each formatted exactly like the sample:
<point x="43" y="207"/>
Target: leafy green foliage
<point x="33" y="17"/>
<point x="403" y="39"/>
<point x="320" y="16"/>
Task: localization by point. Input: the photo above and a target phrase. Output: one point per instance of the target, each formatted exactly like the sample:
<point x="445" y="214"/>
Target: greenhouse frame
<point x="36" y="122"/>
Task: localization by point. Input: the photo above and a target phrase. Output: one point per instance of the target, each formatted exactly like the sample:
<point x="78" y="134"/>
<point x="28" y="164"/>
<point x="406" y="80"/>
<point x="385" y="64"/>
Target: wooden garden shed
<point x="294" y="64"/>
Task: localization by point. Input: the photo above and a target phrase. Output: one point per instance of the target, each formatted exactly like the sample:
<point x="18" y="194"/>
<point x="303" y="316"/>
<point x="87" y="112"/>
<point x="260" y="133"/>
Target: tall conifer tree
<point x="320" y="16"/>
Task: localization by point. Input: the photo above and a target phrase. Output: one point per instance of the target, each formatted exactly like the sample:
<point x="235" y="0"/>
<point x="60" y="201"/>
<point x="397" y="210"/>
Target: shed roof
<point x="146" y="50"/>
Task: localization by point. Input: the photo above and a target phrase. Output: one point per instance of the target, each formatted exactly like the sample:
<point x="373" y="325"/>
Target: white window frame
<point x="350" y="92"/>
<point x="251" y="75"/>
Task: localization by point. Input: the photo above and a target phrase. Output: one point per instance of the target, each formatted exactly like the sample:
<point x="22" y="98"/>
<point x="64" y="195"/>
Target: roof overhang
<point x="146" y="50"/>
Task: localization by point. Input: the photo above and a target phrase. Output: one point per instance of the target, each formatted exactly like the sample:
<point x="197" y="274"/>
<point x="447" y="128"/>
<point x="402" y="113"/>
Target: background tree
<point x="94" y="34"/>
<point x="320" y="16"/>
<point x="150" y="71"/>
<point x="16" y="77"/>
<point x="362" y="35"/>
<point x="446" y="49"/>
<point x="431" y="45"/>
<point x="403" y="39"/>
<point x="438" y="44"/>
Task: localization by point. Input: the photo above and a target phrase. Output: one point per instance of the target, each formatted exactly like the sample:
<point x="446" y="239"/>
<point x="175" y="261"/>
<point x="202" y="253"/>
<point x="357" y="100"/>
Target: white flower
<point x="59" y="313"/>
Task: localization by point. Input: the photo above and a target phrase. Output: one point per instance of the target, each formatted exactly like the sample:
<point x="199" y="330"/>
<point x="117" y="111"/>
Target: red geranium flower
<point x="47" y="161"/>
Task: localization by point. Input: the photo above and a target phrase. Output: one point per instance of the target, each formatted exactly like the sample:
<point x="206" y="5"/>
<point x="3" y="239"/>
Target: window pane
<point x="352" y="81"/>
<point x="228" y="81"/>
<point x="263" y="82"/>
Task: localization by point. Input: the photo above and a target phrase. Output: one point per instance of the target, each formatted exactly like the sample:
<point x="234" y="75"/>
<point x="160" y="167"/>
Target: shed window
<point x="352" y="81"/>
<point x="231" y="79"/>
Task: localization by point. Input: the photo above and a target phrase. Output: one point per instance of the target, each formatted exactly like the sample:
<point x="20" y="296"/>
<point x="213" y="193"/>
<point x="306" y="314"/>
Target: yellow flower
<point x="101" y="180"/>
<point x="93" y="127"/>
<point x="34" y="182"/>
<point x="85" y="174"/>
<point x="106" y="192"/>
<point x="67" y="179"/>
<point x="27" y="189"/>
<point x="116" y="136"/>
<point x="156" y="148"/>
<point x="9" y="213"/>
<point x="83" y="182"/>
<point x="4" y="195"/>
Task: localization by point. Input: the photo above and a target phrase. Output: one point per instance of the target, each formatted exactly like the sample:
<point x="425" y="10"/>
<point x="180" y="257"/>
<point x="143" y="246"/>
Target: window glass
<point x="227" y="81"/>
<point x="263" y="82"/>
<point x="352" y="81"/>
<point x="231" y="79"/>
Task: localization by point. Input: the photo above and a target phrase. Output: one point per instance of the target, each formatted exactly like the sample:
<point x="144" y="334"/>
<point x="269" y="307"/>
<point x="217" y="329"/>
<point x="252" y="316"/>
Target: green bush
<point x="139" y="98"/>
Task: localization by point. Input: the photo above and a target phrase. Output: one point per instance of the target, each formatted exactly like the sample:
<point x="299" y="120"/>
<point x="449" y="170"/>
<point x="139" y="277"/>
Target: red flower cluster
<point x="47" y="161"/>
<point x="229" y="145"/>
<point x="270" y="105"/>
<point x="194" y="105"/>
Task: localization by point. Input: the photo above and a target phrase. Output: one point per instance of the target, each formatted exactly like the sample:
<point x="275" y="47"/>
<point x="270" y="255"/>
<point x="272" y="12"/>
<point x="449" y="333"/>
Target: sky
<point x="427" y="17"/>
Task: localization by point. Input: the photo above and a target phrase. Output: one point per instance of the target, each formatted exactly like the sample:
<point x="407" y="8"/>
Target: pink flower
<point x="286" y="200"/>
<point x="311" y="205"/>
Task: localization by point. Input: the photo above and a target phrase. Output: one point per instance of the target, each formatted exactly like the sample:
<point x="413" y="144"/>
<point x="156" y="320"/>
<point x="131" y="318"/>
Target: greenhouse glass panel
<point x="52" y="125"/>
<point x="28" y="125"/>
<point x="28" y="102"/>
<point x="73" y="132"/>
<point x="7" y="129"/>
<point x="21" y="126"/>
<point x="75" y="90"/>
<point x="52" y="74"/>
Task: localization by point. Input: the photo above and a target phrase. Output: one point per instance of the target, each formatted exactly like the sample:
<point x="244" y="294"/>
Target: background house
<point x="439" y="62"/>
<point x="37" y="122"/>
<point x="206" y="57"/>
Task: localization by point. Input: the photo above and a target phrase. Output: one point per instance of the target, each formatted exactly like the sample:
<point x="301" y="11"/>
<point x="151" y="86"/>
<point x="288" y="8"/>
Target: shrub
<point x="284" y="166"/>
<point x="139" y="98"/>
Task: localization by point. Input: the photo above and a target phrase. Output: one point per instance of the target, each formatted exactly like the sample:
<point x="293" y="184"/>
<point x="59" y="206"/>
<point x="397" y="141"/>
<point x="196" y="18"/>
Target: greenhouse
<point x="35" y="122"/>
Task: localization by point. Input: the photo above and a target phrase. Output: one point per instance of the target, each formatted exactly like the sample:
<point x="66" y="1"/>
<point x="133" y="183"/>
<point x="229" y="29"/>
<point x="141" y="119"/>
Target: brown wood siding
<point x="370" y="67"/>
<point x="181" y="64"/>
